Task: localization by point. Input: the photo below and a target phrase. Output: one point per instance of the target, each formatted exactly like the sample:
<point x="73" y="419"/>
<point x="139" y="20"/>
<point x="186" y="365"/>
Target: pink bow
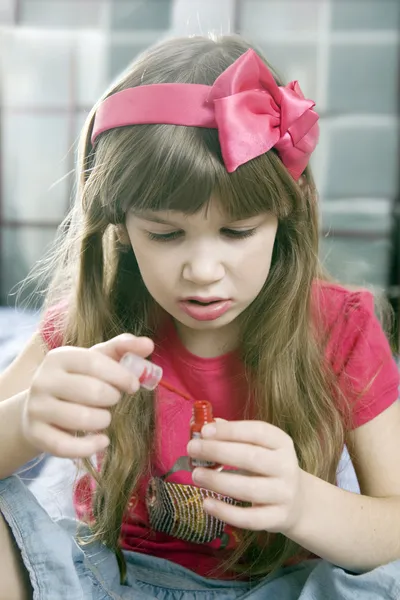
<point x="253" y="114"/>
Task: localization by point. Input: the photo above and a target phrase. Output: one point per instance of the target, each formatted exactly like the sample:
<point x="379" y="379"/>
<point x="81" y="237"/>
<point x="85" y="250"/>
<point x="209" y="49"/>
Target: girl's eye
<point x="238" y="233"/>
<point x="164" y="237"/>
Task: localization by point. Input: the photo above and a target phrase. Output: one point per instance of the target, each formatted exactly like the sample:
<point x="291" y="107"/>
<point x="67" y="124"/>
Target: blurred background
<point x="57" y="56"/>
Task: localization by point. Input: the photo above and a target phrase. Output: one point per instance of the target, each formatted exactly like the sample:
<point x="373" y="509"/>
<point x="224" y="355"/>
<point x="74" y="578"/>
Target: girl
<point x="195" y="230"/>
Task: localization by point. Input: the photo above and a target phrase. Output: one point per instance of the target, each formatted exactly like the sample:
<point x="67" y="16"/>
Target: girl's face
<point x="203" y="269"/>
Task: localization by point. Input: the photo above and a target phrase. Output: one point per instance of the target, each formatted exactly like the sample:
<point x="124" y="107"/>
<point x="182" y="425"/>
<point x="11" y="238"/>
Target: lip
<point x="206" y="312"/>
<point x="204" y="299"/>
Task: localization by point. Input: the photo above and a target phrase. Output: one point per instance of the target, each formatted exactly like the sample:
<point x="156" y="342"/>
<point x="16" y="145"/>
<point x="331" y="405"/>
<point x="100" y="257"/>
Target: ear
<point x="122" y="235"/>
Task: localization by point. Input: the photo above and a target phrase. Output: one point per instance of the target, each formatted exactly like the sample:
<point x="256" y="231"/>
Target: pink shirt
<point x="167" y="519"/>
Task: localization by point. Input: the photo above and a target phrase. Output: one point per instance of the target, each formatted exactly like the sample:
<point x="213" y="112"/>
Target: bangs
<point x="180" y="168"/>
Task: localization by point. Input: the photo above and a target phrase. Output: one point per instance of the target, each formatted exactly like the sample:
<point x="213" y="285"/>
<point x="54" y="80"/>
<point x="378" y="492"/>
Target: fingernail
<point x="198" y="475"/>
<point x="209" y="431"/>
<point x="135" y="386"/>
<point x="194" y="446"/>
<point x="104" y="442"/>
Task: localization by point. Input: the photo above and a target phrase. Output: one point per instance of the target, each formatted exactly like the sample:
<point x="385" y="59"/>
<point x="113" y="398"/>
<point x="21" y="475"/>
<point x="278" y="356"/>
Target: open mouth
<point x="204" y="303"/>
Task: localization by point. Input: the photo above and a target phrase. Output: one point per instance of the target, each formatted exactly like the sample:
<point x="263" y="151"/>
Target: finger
<point x="90" y="391"/>
<point x="258" y="433"/>
<point x="66" y="415"/>
<point x="246" y="457"/>
<point x="64" y="445"/>
<point x="94" y="364"/>
<point x="257" y="490"/>
<point x="254" y="518"/>
<point x="126" y="342"/>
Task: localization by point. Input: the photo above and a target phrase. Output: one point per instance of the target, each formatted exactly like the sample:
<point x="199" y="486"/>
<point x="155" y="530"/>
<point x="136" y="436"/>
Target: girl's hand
<point x="268" y="476"/>
<point x="72" y="391"/>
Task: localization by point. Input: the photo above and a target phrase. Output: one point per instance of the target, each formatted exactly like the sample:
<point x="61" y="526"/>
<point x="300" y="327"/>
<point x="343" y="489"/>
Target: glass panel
<point x="35" y="69"/>
<point x="21" y="249"/>
<point x="363" y="79"/>
<point x="136" y="14"/>
<point x="354" y="259"/>
<point x="261" y="18"/>
<point x="80" y="119"/>
<point x="357" y="261"/>
<point x="120" y="56"/>
<point x="60" y="13"/>
<point x="91" y="67"/>
<point x="368" y="14"/>
<point x="199" y="16"/>
<point x="34" y="163"/>
<point x="7" y="12"/>
<point x="363" y="160"/>
<point x="319" y="156"/>
<point x="366" y="215"/>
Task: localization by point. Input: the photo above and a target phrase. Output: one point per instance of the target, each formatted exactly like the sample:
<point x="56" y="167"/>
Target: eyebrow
<point x="153" y="219"/>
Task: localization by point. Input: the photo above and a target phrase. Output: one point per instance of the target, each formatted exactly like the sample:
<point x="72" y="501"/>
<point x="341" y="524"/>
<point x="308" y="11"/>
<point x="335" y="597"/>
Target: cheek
<point x="254" y="268"/>
<point x="155" y="267"/>
<point x="148" y="261"/>
<point x="257" y="261"/>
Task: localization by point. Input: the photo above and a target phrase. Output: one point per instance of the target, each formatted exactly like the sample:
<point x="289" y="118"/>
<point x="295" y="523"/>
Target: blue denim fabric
<point x="60" y="569"/>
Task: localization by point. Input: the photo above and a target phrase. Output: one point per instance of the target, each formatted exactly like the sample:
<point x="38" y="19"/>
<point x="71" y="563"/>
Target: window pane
<point x="7" y="12"/>
<point x="362" y="159"/>
<point x="355" y="259"/>
<point x="136" y="14"/>
<point x="91" y="68"/>
<point x="367" y="14"/>
<point x="201" y="16"/>
<point x="353" y="88"/>
<point x="80" y="119"/>
<point x="364" y="215"/>
<point x="61" y="13"/>
<point x="34" y="160"/>
<point x="262" y="18"/>
<point x="21" y="249"/>
<point x="35" y="69"/>
<point x="121" y="55"/>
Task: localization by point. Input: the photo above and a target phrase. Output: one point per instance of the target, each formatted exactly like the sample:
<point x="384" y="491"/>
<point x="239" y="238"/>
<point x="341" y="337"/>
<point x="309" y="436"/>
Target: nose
<point x="203" y="266"/>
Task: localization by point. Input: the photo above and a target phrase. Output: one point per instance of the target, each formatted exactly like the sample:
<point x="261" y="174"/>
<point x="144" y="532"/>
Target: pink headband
<point x="251" y="112"/>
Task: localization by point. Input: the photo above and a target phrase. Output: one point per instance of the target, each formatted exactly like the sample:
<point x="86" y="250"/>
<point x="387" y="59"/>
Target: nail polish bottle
<point x="148" y="373"/>
<point x="201" y="415"/>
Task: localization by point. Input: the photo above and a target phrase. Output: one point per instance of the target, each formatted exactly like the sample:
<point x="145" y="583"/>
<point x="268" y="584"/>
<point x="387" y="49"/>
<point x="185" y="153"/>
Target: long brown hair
<point x="175" y="167"/>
